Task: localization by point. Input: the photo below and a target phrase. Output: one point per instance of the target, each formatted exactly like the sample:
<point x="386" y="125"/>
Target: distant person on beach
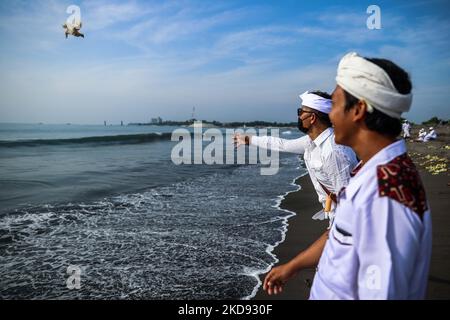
<point x="328" y="164"/>
<point x="379" y="245"/>
<point x="421" y="135"/>
<point x="431" y="135"/>
<point x="406" y="127"/>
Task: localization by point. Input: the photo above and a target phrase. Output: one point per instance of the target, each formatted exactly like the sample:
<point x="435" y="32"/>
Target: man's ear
<point x="314" y="118"/>
<point x="359" y="111"/>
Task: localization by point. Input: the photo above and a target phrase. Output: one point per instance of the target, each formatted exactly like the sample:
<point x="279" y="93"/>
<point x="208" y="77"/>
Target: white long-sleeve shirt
<point x="326" y="161"/>
<point x="406" y="130"/>
<point x="379" y="246"/>
<point x="430" y="136"/>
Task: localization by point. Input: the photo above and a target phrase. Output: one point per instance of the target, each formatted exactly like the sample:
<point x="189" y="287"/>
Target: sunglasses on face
<point x="301" y="111"/>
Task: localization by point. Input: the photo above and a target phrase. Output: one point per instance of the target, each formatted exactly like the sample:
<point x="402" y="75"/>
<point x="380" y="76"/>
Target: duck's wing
<point x="69" y="27"/>
<point x="78" y="27"/>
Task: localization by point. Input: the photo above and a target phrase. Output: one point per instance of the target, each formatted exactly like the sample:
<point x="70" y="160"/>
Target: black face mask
<point x="301" y="127"/>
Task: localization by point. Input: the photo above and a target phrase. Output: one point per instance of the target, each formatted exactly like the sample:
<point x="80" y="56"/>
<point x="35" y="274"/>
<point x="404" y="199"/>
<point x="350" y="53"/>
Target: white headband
<point x="316" y="102"/>
<point x="367" y="81"/>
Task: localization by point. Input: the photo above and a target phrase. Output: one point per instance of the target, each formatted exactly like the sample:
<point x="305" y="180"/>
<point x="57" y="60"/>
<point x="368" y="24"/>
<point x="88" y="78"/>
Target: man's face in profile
<point x="340" y="118"/>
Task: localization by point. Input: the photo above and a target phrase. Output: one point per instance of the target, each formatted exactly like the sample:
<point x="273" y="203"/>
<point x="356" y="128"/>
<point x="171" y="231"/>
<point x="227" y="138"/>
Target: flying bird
<point x="73" y="29"/>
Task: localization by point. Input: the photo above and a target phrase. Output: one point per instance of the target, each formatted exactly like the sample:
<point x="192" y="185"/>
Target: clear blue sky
<point x="232" y="60"/>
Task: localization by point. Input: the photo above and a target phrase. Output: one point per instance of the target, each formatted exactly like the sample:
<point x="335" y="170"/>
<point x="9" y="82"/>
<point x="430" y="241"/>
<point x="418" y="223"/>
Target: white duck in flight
<point x="73" y="30"/>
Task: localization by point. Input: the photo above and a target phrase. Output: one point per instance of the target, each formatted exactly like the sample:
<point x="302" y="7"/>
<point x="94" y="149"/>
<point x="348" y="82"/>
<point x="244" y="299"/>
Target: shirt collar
<point x="356" y="169"/>
<point x="383" y="156"/>
<point x="323" y="136"/>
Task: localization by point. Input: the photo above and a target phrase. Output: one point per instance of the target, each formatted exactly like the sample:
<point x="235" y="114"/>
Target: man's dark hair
<point x="378" y="121"/>
<point x="323" y="117"/>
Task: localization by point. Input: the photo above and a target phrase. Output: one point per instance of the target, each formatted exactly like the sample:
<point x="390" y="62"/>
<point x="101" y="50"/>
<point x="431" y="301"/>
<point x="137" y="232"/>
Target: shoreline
<point x="271" y="248"/>
<point x="303" y="231"/>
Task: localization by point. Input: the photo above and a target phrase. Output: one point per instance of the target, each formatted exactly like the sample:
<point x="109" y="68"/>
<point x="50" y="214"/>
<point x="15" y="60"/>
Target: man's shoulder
<point x="331" y="148"/>
<point x="395" y="183"/>
<point x="399" y="180"/>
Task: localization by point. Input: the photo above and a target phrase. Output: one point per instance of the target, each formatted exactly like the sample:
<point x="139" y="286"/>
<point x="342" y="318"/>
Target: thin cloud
<point x="99" y="15"/>
<point x="231" y="60"/>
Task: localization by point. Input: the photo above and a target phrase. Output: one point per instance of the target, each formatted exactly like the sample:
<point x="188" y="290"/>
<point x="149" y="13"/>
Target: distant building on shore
<point x="156" y="120"/>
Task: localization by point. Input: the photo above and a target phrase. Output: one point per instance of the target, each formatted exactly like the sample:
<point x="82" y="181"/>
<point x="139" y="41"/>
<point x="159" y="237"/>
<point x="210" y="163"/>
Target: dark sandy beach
<point x="432" y="160"/>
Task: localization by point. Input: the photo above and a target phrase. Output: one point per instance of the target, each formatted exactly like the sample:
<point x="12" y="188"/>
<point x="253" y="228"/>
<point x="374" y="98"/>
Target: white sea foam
<point x="271" y="248"/>
<point x="152" y="244"/>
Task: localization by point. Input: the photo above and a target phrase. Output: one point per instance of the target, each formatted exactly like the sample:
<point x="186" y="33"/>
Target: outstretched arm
<point x="273" y="143"/>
